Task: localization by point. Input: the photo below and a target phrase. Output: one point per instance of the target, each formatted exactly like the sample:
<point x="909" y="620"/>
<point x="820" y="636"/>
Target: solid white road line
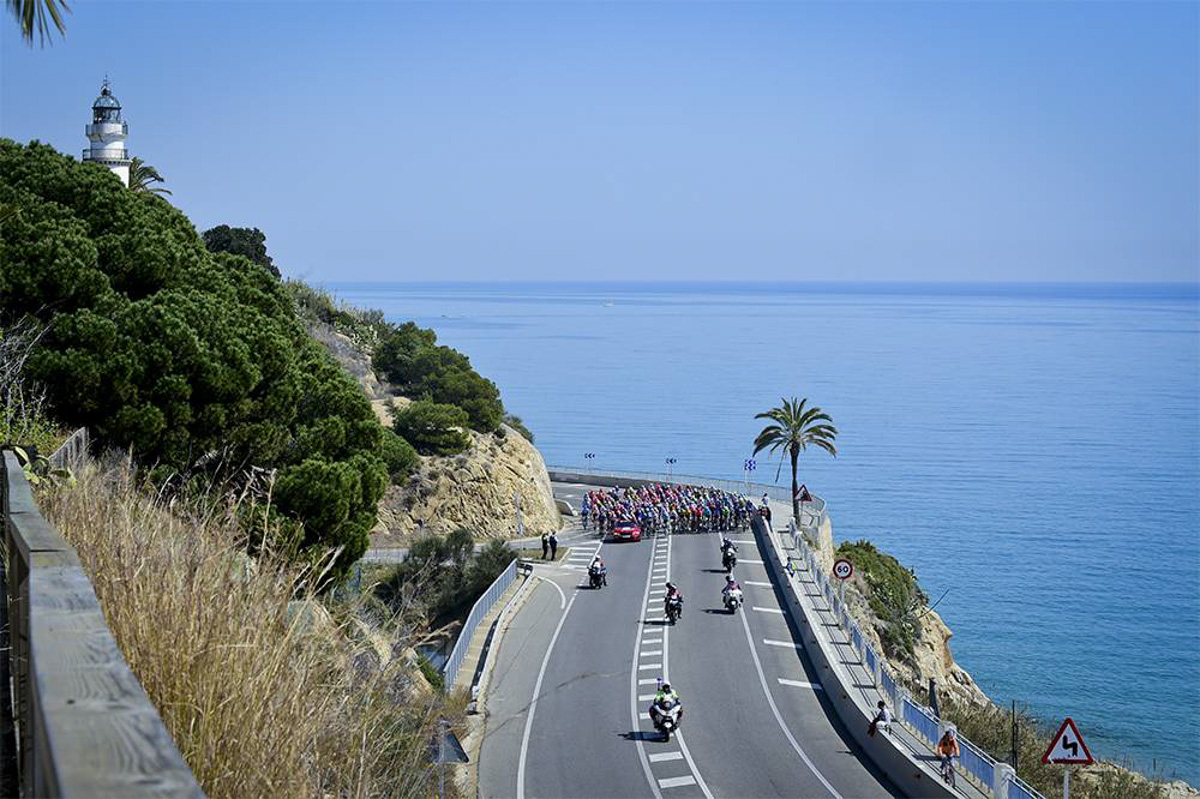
<point x="537" y="689"/>
<point x="759" y="584"/>
<point x="762" y="680"/>
<point x="800" y="684"/>
<point x="677" y="782"/>
<point x="769" y="610"/>
<point x="537" y="686"/>
<point x="786" y="644"/>
<point x="563" y="596"/>
<point x="661" y="756"/>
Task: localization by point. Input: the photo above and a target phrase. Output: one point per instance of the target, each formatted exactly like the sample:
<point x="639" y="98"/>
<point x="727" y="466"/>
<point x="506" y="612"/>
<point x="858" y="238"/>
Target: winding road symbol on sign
<point x="843" y="569"/>
<point x="1066" y="745"/>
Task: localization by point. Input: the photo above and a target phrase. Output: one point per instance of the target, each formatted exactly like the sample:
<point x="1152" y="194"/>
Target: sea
<point x="1031" y="452"/>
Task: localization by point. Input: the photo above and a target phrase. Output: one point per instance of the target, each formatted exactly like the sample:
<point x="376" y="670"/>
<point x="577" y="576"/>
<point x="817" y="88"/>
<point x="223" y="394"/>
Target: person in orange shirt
<point x="947" y="749"/>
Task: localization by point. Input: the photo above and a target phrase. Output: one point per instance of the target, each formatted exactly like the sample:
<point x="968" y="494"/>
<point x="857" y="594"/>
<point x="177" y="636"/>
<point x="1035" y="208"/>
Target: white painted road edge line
<point x="769" y="610"/>
<point x="563" y="596"/>
<point x="759" y="584"/>
<point x="537" y="686"/>
<point x="748" y="560"/>
<point x="537" y="689"/>
<point x="762" y="680"/>
<point x="800" y="684"/>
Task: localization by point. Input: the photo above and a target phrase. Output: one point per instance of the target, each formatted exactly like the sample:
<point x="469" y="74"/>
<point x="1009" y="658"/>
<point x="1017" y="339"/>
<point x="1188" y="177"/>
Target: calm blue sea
<point x="1031" y="451"/>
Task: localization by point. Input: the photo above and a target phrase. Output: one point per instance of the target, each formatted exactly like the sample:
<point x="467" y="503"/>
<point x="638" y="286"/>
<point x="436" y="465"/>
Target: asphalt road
<point x="575" y="670"/>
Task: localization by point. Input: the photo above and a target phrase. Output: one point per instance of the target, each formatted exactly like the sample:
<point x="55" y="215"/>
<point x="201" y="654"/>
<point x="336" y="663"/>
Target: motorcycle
<point x="733" y="600"/>
<point x="728" y="560"/>
<point x="597" y="578"/>
<point x="674" y="607"/>
<point x="666" y="717"/>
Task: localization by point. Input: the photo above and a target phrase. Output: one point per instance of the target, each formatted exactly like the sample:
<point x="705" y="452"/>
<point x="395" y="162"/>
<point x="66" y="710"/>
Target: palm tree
<point x="793" y="430"/>
<point x="142" y="175"/>
<point x="38" y="15"/>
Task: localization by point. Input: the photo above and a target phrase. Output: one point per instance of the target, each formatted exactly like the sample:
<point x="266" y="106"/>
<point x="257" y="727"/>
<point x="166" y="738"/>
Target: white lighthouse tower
<point x="107" y="134"/>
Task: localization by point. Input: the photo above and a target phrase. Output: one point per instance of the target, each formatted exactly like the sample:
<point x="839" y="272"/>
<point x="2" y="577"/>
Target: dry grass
<point x="260" y="703"/>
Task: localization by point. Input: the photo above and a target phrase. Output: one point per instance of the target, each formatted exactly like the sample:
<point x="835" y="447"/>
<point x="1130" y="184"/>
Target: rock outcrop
<point x="476" y="489"/>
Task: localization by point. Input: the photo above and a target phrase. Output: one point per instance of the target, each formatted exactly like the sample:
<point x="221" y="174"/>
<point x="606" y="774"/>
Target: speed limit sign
<point x="843" y="569"/>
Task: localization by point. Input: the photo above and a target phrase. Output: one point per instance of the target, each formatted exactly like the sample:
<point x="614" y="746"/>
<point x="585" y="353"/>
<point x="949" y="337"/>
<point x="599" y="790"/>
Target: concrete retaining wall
<point x="912" y="777"/>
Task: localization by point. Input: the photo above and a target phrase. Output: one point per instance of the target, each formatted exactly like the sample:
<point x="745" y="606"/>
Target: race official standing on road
<point x="545" y="546"/>
<point x="553" y="546"/>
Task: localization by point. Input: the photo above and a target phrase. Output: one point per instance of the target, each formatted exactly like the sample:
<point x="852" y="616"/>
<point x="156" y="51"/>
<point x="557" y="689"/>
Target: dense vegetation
<point x="441" y="576"/>
<point x="250" y="242"/>
<point x="433" y="428"/>
<point x="194" y="360"/>
<point x="893" y="593"/>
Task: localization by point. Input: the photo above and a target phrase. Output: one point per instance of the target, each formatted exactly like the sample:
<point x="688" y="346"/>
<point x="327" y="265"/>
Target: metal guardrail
<point x="72" y="451"/>
<point x="478" y="611"/>
<point x="977" y="764"/>
<point x="84" y="725"/>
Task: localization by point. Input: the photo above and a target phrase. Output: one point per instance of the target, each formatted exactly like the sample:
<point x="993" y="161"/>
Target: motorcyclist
<point x="598" y="568"/>
<point x="664" y="699"/>
<point x="730" y="585"/>
<point x="673" y="594"/>
<point x="727" y="545"/>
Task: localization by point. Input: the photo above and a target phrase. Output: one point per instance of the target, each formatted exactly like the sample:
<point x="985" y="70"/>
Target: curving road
<point x="576" y="668"/>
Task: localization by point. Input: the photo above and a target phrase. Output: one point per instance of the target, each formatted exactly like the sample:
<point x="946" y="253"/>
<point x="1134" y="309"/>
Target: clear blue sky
<point x="771" y="141"/>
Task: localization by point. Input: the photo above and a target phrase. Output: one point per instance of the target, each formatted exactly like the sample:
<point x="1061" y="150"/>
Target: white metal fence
<point x="478" y="611"/>
<point x="988" y="774"/>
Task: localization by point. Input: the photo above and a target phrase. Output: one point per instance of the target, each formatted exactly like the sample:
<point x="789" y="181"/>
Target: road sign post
<point x="1065" y="751"/>
<point x="843" y="570"/>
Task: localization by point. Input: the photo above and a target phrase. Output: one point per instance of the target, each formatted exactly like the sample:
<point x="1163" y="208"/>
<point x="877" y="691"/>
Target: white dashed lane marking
<point x="661" y="756"/>
<point x="769" y="610"/>
<point x="676" y="782"/>
<point x="800" y="684"/>
<point x="757" y="583"/>
<point x="748" y="560"/>
<point x="650" y="681"/>
<point x="785" y="644"/>
<point x="649" y="666"/>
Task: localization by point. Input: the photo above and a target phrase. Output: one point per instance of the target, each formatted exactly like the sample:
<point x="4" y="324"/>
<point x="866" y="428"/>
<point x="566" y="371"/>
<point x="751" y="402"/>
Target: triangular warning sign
<point x="803" y="495"/>
<point x="1068" y="746"/>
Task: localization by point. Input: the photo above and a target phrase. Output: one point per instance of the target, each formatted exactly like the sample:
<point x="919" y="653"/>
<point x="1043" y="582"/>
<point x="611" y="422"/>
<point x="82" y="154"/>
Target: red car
<point x="627" y="531"/>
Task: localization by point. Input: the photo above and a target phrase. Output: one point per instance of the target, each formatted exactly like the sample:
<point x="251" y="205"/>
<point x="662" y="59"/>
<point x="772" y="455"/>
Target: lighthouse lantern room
<point x="107" y="135"/>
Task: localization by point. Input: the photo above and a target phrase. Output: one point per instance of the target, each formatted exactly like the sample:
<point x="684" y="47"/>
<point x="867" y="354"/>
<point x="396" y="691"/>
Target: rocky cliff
<point x="477" y="489"/>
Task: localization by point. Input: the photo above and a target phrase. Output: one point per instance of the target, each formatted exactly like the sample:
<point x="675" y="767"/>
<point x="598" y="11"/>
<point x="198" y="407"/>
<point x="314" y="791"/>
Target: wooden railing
<point x="83" y="724"/>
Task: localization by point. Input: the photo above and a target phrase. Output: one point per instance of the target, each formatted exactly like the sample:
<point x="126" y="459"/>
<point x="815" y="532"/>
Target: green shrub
<point x="411" y="360"/>
<point x="250" y="242"/>
<point x="432" y="674"/>
<point x="399" y="456"/>
<point x="894" y="595"/>
<point x="443" y="575"/>
<point x="432" y="428"/>
<point x="516" y="424"/>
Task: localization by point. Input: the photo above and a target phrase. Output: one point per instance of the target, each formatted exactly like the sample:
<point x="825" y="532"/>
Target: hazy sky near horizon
<point x="668" y="141"/>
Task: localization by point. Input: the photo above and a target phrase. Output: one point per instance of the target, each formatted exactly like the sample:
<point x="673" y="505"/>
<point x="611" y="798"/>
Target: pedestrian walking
<point x="553" y="547"/>
<point x="545" y="546"/>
